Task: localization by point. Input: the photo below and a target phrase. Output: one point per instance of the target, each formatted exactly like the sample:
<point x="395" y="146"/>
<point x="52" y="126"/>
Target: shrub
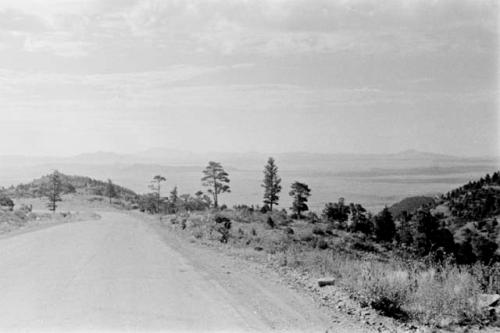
<point x="322" y="244"/>
<point x="21" y="215"/>
<point x="270" y="222"/>
<point x="5" y="201"/>
<point x="363" y="246"/>
<point x="264" y="209"/>
<point x="198" y="233"/>
<point x="336" y="212"/>
<point x="313" y="217"/>
<point x="318" y="231"/>
<point x="384" y="226"/>
<point x="221" y="219"/>
<point x="444" y="291"/>
<point x="307" y="238"/>
<point x="26" y="208"/>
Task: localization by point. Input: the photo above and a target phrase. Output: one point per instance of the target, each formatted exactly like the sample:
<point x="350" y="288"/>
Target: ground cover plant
<point x="382" y="276"/>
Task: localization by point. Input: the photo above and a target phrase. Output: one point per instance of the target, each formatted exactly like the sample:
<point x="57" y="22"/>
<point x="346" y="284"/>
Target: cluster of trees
<point x="422" y="232"/>
<point x="217" y="181"/>
<point x="214" y="177"/>
<point x="57" y="184"/>
<point x="476" y="200"/>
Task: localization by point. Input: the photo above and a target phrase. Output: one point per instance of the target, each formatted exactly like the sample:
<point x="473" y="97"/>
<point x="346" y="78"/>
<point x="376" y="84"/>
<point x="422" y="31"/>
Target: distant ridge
<point x="165" y="156"/>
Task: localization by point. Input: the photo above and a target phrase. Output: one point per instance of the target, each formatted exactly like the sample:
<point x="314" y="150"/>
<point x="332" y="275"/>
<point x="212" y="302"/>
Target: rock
<point x="488" y="300"/>
<point x="328" y="281"/>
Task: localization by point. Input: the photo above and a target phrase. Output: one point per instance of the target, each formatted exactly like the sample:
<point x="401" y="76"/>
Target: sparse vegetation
<point x="420" y="290"/>
<point x="69" y="185"/>
<point x="410" y="268"/>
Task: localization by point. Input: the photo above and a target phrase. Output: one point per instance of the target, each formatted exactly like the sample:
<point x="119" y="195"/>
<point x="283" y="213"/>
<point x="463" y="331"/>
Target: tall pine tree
<point x="217" y="179"/>
<point x="54" y="190"/>
<point x="271" y="184"/>
<point x="110" y="190"/>
<point x="300" y="193"/>
<point x="156" y="187"/>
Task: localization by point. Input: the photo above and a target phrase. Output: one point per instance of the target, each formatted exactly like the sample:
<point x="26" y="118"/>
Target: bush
<point x="318" y="231"/>
<point x="26" y="208"/>
<point x="313" y="217"/>
<point x="307" y="238"/>
<point x="363" y="246"/>
<point x="270" y="222"/>
<point x="21" y="215"/>
<point x="385" y="228"/>
<point x="5" y="201"/>
<point x="221" y="219"/>
<point x="322" y="244"/>
<point x="336" y="212"/>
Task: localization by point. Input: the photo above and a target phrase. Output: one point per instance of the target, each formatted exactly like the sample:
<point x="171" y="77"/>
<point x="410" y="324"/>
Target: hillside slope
<point x="69" y="184"/>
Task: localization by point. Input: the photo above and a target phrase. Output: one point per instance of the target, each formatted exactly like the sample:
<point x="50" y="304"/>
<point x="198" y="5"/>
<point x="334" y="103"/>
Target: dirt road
<point x="118" y="273"/>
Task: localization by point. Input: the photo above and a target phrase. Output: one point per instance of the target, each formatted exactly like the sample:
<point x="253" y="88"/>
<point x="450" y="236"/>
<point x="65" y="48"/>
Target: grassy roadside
<point x="415" y="292"/>
<point x="25" y="216"/>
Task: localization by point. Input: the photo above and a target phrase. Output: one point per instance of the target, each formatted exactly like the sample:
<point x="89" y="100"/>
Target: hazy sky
<point x="272" y="76"/>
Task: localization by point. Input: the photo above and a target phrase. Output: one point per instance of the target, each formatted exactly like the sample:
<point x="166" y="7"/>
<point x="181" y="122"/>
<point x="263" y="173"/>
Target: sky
<point x="360" y="76"/>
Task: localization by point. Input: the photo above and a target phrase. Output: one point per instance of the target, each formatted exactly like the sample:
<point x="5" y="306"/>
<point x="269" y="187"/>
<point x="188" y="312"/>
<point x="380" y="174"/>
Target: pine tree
<point x="156" y="187"/>
<point x="217" y="179"/>
<point x="110" y="190"/>
<point x="174" y="198"/>
<point x="384" y="226"/>
<point x="300" y="193"/>
<point x="54" y="190"/>
<point x="271" y="184"/>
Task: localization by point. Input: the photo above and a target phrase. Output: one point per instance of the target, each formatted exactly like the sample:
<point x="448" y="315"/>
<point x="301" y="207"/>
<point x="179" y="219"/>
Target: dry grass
<point x="428" y="294"/>
<point x="407" y="290"/>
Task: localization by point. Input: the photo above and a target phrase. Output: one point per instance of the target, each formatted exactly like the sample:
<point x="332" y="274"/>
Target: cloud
<point x="272" y="28"/>
<point x="296" y="27"/>
<point x="18" y="21"/>
<point x="60" y="44"/>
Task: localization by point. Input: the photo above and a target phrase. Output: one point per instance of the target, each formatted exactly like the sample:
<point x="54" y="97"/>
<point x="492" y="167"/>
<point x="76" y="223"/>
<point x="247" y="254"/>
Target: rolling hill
<point x="69" y="184"/>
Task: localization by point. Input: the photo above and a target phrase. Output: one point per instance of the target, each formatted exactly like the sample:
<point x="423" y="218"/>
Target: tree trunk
<point x="216" y="204"/>
<point x="158" y="199"/>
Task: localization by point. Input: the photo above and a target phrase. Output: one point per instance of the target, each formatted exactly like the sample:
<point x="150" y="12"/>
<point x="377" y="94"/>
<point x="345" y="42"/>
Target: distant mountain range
<point x="172" y="157"/>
